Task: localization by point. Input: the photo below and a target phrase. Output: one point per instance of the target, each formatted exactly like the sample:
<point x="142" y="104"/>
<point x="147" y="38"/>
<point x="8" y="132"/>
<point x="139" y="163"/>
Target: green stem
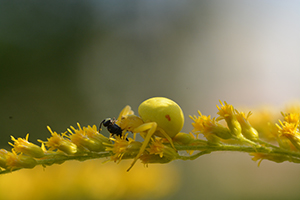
<point x="193" y="157"/>
<point x="61" y="158"/>
<point x="198" y="145"/>
<point x="294" y="156"/>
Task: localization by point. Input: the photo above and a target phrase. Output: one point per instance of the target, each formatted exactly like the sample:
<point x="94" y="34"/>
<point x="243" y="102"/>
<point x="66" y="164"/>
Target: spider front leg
<point x="150" y="129"/>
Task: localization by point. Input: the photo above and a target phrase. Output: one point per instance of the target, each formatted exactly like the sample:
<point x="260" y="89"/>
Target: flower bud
<point x="23" y="146"/>
<point x="3" y="158"/>
<point x="290" y="132"/>
<point x="211" y="130"/>
<point x="88" y="138"/>
<point x="20" y="161"/>
<point x="59" y="142"/>
<point x="158" y="153"/>
<point x="227" y="112"/>
<point x="123" y="148"/>
<point x="247" y="130"/>
<point x="183" y="138"/>
<point x="274" y="158"/>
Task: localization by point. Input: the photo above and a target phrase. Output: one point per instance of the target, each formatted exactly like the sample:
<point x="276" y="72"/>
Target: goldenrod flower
<point x="227" y="112"/>
<point x="183" y="138"/>
<point x="209" y="128"/>
<point x="23" y="146"/>
<point x="157" y="152"/>
<point x="15" y="161"/>
<point x="247" y="130"/>
<point x="85" y="143"/>
<point x="92" y="132"/>
<point x="290" y="132"/>
<point x="3" y="158"/>
<point x="59" y="142"/>
<point x="292" y="118"/>
<point x="122" y="147"/>
<point x="198" y="123"/>
<point x="274" y="158"/>
<point x="88" y="138"/>
<point x="156" y="147"/>
<point x="264" y="122"/>
<point x="285" y="143"/>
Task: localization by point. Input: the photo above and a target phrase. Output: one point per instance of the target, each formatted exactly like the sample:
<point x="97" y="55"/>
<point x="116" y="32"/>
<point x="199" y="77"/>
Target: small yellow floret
<point x="23" y="146"/>
<point x="227" y="112"/>
<point x="247" y="130"/>
<point x="289" y="131"/>
<point x="88" y="138"/>
<point x="15" y="161"/>
<point x="59" y="142"/>
<point x="209" y="128"/>
<point x="122" y="147"/>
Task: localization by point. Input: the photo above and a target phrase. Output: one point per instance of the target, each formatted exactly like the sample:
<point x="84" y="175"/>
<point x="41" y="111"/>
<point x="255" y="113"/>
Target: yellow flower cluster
<point x="122" y="148"/>
<point x="288" y="136"/>
<point x="25" y="154"/>
<point x="80" y="144"/>
<point x="238" y="128"/>
<point x="157" y="151"/>
<point x="236" y="134"/>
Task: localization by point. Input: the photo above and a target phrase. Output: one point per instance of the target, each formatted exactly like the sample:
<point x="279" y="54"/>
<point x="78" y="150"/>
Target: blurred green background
<point x="64" y="62"/>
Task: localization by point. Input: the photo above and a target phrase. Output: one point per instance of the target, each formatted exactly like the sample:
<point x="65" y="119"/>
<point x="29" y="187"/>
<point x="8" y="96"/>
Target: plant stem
<point x="201" y="146"/>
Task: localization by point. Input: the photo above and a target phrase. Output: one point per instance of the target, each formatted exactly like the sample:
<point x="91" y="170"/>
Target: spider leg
<point x="151" y="127"/>
<point x="166" y="136"/>
<point x="126" y="111"/>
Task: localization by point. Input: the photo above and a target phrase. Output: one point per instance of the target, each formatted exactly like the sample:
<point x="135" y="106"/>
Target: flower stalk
<point x="230" y="131"/>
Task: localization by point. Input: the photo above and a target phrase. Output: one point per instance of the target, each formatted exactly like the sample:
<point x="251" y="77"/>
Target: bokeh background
<point x="63" y="62"/>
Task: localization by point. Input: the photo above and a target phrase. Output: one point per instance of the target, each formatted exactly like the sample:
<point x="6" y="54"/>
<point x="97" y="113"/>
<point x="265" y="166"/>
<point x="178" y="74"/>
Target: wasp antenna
<point x="101" y="125"/>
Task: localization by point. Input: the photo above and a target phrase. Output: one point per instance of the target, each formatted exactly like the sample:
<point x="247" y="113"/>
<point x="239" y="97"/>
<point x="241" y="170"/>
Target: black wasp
<point x="112" y="127"/>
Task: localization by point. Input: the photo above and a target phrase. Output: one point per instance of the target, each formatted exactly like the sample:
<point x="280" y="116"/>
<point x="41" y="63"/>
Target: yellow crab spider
<point x="159" y="116"/>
